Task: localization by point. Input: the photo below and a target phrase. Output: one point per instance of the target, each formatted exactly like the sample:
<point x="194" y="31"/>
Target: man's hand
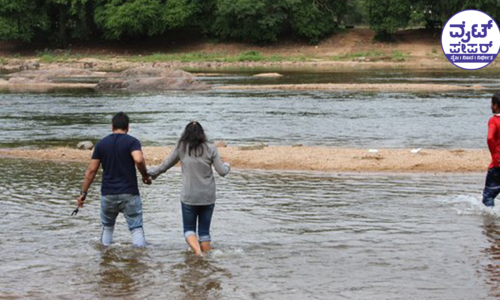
<point x="147" y="180"/>
<point x="81" y="200"/>
<point x="87" y="181"/>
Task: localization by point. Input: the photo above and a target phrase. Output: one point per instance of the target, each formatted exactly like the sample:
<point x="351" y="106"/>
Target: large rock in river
<point x="146" y="79"/>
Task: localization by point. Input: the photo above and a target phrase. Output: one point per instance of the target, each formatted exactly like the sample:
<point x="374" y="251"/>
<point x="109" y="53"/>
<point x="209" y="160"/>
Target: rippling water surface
<point x="276" y="236"/>
<point x="344" y="119"/>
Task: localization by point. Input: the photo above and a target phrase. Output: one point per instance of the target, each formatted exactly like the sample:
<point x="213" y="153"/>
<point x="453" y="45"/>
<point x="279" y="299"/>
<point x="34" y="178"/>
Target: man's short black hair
<point x="120" y="121"/>
<point x="496" y="99"/>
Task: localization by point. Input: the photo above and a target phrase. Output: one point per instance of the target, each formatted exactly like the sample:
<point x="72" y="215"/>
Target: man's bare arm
<point x="88" y="179"/>
<point x="140" y="162"/>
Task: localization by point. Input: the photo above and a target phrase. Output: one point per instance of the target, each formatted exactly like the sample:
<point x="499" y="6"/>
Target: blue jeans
<point x="193" y="213"/>
<point x="129" y="205"/>
<point x="492" y="187"/>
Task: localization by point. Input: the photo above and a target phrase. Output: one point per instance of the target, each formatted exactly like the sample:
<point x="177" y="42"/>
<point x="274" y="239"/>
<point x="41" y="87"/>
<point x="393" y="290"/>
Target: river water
<point x="342" y="119"/>
<point x="277" y="235"/>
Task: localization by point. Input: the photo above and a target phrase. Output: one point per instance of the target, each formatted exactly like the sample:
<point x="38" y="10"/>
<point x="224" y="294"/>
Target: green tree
<point x="429" y="12"/>
<point x="388" y="16"/>
<point x="71" y="19"/>
<point x="491" y="7"/>
<point x="259" y="21"/>
<point x="49" y="20"/>
<point x="137" y="18"/>
<point x="21" y="20"/>
<point x="316" y="19"/>
<point x="356" y="13"/>
<point x="119" y="18"/>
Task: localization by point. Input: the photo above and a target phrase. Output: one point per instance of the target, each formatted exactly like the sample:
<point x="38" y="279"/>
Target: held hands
<point x="147" y="180"/>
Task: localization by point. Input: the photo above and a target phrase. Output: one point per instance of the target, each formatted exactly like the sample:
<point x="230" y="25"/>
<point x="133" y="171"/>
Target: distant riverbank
<point x="266" y="64"/>
<point x="349" y="50"/>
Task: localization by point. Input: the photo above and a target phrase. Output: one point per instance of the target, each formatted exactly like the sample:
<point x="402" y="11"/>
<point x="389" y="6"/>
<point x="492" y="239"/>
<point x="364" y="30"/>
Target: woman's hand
<point x="147" y="180"/>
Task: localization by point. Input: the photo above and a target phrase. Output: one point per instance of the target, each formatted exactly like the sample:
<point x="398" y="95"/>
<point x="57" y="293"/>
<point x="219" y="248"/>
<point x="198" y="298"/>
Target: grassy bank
<point x="246" y="56"/>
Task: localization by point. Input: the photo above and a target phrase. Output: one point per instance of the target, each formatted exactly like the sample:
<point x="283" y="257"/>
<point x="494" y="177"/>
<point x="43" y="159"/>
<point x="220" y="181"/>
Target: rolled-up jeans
<point x="201" y="214"/>
<point x="131" y="207"/>
<point x="491" y="187"/>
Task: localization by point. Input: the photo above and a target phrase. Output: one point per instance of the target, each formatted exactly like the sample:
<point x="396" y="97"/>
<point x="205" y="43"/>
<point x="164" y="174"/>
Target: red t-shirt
<point x="494" y="140"/>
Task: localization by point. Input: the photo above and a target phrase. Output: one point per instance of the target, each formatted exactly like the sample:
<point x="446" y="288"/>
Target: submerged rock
<point x="145" y="79"/>
<point x="86" y="145"/>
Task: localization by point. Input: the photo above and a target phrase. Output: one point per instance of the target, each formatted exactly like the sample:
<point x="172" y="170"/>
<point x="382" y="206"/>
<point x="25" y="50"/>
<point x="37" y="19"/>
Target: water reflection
<point x="491" y="228"/>
<point x="121" y="271"/>
<point x="276" y="234"/>
<point x="199" y="278"/>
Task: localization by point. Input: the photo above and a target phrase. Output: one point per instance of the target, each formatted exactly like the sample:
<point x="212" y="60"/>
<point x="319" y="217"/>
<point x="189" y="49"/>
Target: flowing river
<point x="342" y="119"/>
<point x="277" y="235"/>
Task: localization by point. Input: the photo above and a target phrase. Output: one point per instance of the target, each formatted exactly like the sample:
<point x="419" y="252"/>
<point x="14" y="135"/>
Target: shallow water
<point x="276" y="235"/>
<point x="343" y="119"/>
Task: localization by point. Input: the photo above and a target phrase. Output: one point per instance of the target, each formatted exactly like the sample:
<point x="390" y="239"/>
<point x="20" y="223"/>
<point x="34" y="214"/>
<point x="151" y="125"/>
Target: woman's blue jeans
<point x="201" y="214"/>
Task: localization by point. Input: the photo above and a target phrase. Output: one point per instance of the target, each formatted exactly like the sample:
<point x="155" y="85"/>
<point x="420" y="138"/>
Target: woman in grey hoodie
<point x="197" y="156"/>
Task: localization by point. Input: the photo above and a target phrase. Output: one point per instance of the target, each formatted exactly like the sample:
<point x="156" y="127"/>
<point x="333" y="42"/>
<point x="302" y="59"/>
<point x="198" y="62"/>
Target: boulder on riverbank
<point x="85" y="145"/>
<point x="146" y="79"/>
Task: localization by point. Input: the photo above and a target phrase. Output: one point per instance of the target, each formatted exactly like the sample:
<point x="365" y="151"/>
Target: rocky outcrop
<point x="146" y="79"/>
<point x="49" y="75"/>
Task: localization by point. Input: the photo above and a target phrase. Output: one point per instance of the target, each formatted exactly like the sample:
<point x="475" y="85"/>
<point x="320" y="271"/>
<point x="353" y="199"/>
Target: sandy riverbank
<point x="324" y="159"/>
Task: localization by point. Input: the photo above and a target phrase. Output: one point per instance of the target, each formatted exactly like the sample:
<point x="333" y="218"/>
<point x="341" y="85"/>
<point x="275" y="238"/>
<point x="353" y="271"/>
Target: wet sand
<point x="322" y="159"/>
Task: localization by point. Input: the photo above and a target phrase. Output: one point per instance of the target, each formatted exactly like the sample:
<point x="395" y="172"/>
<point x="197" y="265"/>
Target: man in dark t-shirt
<point x="119" y="154"/>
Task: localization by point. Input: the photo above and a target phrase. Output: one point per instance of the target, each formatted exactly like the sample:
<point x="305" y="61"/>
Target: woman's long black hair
<point x="193" y="139"/>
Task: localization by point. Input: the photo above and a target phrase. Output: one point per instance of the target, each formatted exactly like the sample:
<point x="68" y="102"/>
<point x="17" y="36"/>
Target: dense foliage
<point x="256" y="21"/>
<point x="388" y="16"/>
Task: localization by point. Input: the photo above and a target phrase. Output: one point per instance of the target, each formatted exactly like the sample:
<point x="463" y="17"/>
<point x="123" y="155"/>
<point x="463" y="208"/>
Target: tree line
<point x="255" y="21"/>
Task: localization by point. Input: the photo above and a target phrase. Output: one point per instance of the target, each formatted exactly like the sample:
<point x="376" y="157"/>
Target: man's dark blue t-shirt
<point x="115" y="154"/>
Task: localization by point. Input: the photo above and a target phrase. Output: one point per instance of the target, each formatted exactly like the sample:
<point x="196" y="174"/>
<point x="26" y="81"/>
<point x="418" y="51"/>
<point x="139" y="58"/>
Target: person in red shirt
<point x="492" y="185"/>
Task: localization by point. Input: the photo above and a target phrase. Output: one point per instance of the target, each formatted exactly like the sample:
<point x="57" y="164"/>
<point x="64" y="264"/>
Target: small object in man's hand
<point x="75" y="212"/>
